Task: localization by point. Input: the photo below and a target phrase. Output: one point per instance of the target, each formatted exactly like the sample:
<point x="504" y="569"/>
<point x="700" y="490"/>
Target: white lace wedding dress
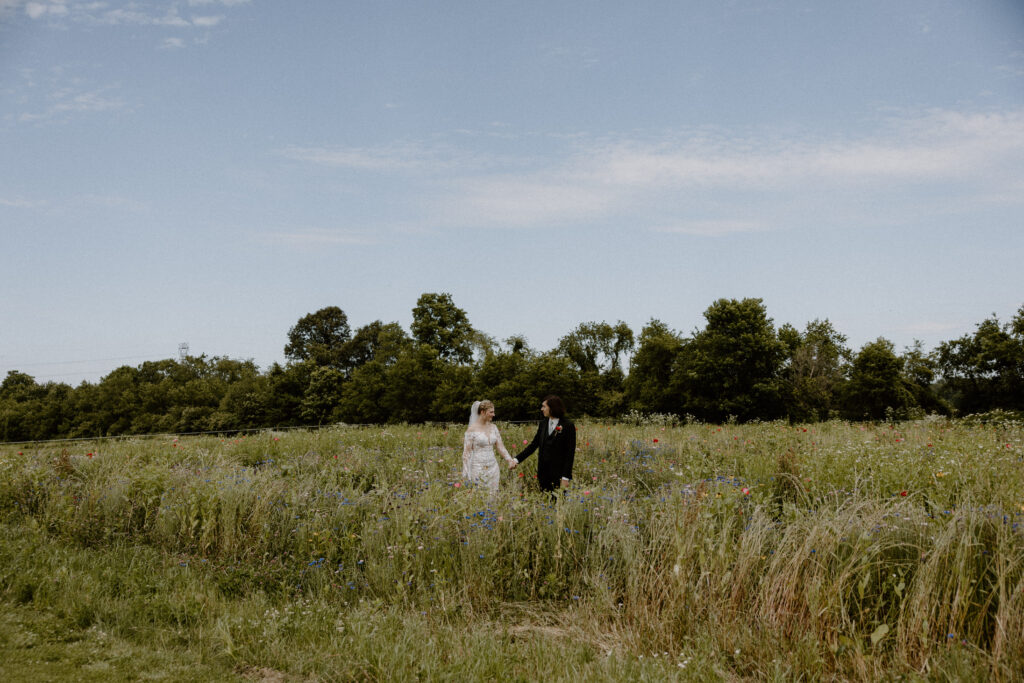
<point x="479" y="466"/>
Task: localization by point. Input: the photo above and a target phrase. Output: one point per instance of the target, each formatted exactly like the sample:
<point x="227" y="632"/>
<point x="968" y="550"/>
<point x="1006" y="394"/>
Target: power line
<point x="74" y="362"/>
<point x="69" y="374"/>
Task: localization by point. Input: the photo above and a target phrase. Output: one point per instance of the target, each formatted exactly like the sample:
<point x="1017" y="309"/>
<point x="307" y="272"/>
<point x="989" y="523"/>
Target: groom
<point x="556" y="441"/>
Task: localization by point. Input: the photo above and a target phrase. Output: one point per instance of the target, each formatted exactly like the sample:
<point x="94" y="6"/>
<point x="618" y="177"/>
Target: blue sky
<point x="209" y="171"/>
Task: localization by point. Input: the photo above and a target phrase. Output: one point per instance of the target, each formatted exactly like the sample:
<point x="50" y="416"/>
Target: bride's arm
<point x="501" y="447"/>
<point x="465" y="454"/>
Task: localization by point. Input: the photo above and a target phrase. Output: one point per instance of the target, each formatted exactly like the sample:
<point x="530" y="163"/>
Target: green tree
<point x="321" y="338"/>
<point x="85" y="409"/>
<point x="376" y="341"/>
<point x="118" y="394"/>
<point x="597" y="347"/>
<point x="503" y="378"/>
<point x="30" y="411"/>
<point x="410" y="385"/>
<point x="984" y="371"/>
<point x="455" y="392"/>
<point x="380" y="348"/>
<point x="18" y="386"/>
<point x="245" y="405"/>
<point x="815" y="370"/>
<point x="648" y="386"/>
<point x="920" y="371"/>
<point x="517" y="378"/>
<point x="732" y="366"/>
<point x="166" y="396"/>
<point x="597" y="351"/>
<point x="322" y="396"/>
<point x="287" y="388"/>
<point x="362" y="396"/>
<point x="877" y="387"/>
<point x="551" y="373"/>
<point x="438" y="323"/>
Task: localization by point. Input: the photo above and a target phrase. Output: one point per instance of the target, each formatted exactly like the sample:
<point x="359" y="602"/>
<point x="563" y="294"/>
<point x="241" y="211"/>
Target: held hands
<point x="512" y="462"/>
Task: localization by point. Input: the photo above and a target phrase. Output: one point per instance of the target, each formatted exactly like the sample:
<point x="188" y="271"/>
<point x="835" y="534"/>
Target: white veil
<point x="474" y="413"/>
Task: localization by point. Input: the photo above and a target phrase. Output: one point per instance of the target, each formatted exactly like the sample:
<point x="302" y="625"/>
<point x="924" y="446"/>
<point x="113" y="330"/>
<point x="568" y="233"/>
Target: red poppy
<point x="903" y="493"/>
<point x="655" y="441"/>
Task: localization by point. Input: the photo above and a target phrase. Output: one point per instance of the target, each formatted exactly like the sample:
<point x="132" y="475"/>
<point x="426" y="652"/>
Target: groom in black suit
<point x="556" y="445"/>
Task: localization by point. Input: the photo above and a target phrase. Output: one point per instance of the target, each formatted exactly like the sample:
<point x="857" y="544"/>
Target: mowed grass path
<point x="761" y="552"/>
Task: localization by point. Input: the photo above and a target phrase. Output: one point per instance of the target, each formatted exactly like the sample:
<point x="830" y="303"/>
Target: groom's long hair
<point x="555" y="406"/>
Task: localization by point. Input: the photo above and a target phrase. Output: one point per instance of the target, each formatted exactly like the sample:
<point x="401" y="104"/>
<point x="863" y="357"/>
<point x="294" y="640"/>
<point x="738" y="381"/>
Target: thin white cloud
<point x="115" y="202"/>
<point x="712" y="228"/>
<point x="941" y="145"/>
<point x="584" y="56"/>
<point x="1014" y="67"/>
<point x="172" y="44"/>
<point x="35" y="9"/>
<point x="628" y="177"/>
<point x="54" y="8"/>
<point x="207" y="22"/>
<point x="316" y="237"/>
<point x="393" y="158"/>
<point x="122" y="14"/>
<point x="361" y="159"/>
<point x="79" y="203"/>
<point x="523" y="202"/>
<point x="679" y="183"/>
<point x="56" y="96"/>
<point x="96" y="100"/>
<point x="20" y="203"/>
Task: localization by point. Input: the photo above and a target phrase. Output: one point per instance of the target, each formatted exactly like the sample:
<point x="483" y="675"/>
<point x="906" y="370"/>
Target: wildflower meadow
<point x="765" y="551"/>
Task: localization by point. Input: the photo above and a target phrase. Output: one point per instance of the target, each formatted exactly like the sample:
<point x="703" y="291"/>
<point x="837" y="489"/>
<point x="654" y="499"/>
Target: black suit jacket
<point x="555" y="453"/>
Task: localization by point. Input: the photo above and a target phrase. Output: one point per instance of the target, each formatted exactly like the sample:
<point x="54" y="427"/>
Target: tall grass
<point x="761" y="551"/>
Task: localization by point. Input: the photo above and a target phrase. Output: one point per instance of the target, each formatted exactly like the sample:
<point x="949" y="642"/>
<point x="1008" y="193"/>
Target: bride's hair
<point x="484" y="405"/>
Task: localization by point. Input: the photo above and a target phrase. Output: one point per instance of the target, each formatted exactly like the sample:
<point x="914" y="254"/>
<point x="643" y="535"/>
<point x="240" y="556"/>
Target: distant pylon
<point x="182" y="351"/>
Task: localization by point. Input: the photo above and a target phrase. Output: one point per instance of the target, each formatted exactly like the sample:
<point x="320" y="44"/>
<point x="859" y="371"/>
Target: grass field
<point x="746" y="552"/>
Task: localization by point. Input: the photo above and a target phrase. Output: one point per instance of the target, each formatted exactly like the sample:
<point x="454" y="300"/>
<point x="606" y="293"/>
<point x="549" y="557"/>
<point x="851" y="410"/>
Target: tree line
<point x="738" y="367"/>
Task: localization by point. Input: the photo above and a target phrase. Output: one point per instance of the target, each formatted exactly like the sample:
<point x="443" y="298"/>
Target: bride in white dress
<point x="479" y="465"/>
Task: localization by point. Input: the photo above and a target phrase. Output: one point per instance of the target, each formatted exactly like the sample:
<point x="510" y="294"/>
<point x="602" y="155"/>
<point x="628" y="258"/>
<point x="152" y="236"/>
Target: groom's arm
<point x="568" y="453"/>
<point x="534" y="445"/>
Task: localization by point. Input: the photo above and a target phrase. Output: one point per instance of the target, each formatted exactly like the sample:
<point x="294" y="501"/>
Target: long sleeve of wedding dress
<point x="501" y="446"/>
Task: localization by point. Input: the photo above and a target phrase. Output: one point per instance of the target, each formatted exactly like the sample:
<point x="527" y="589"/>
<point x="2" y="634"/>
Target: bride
<point x="478" y="463"/>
